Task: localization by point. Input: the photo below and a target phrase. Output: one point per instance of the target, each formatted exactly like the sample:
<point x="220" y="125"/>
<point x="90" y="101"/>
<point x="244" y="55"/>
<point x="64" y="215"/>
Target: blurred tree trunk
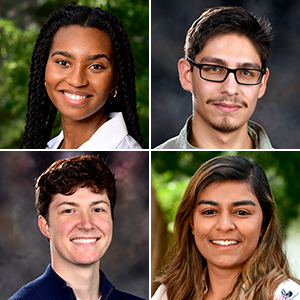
<point x="160" y="239"/>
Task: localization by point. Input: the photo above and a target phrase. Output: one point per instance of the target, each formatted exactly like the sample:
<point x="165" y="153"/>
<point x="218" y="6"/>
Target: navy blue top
<point x="50" y="286"/>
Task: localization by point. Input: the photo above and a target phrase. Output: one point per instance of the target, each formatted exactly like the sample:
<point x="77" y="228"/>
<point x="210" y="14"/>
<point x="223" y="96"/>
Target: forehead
<point x="231" y="48"/>
<point x="228" y="191"/>
<point x="81" y="197"/>
<point x="87" y="39"/>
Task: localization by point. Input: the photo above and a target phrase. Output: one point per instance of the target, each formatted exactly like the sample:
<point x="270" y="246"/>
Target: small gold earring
<point x="115" y="92"/>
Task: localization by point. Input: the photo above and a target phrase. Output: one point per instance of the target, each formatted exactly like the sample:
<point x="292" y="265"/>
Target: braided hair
<point x="41" y="112"/>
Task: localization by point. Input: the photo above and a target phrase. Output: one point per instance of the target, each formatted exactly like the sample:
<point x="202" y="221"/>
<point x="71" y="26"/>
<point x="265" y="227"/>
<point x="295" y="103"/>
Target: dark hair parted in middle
<point x="41" y="112"/>
<point x="66" y="175"/>
<point x="225" y="20"/>
<point x="263" y="271"/>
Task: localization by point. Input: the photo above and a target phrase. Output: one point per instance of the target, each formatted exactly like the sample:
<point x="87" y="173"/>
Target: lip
<point x="224" y="243"/>
<point x="227" y="107"/>
<point x="75" y="98"/>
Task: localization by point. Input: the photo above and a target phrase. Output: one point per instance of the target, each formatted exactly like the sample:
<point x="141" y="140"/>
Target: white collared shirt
<point x="288" y="289"/>
<point x="112" y="134"/>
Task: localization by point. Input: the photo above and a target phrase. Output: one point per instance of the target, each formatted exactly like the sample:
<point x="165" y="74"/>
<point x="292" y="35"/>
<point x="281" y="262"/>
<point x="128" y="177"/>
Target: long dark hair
<point x="41" y="112"/>
<point x="264" y="270"/>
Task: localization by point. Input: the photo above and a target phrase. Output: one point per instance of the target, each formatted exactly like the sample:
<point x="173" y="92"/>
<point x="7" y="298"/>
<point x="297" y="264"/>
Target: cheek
<point x="201" y="231"/>
<point x="102" y="85"/>
<point x="63" y="228"/>
<point x="105" y="226"/>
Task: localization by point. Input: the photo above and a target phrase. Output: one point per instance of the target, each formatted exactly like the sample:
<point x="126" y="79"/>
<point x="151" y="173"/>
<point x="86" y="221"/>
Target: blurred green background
<point x="172" y="171"/>
<point x="20" y="22"/>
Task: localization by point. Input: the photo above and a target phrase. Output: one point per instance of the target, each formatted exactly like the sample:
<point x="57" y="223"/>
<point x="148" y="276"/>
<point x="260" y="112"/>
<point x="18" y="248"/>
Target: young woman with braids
<point x="82" y="66"/>
<point x="229" y="243"/>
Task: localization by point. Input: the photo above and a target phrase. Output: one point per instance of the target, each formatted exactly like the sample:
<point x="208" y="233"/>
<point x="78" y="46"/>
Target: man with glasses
<point x="225" y="69"/>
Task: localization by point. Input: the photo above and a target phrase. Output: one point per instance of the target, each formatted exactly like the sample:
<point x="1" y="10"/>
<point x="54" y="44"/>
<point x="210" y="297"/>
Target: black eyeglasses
<point x="216" y="73"/>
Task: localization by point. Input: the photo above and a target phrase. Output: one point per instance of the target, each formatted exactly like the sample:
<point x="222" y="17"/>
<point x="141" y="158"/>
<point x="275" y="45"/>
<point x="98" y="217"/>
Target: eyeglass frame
<point x="199" y="66"/>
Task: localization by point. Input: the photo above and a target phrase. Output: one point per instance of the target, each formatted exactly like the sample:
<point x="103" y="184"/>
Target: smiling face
<point x="227" y="224"/>
<point x="224" y="106"/>
<point x="80" y="72"/>
<point x="79" y="228"/>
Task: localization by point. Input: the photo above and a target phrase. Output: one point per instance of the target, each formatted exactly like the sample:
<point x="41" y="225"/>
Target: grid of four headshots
<point x="149" y="150"/>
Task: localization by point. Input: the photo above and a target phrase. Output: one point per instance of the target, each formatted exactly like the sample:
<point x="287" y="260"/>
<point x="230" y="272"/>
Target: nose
<point x="225" y="223"/>
<point x="85" y="222"/>
<point x="77" y="77"/>
<point x="230" y="85"/>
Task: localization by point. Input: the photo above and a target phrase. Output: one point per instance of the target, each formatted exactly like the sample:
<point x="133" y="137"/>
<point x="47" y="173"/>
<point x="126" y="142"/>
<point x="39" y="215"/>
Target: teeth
<point x="84" y="241"/>
<point x="225" y="243"/>
<point x="74" y="97"/>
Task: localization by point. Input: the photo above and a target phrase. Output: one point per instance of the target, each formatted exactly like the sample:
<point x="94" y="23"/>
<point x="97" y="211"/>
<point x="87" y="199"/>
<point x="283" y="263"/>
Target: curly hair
<point x="264" y="270"/>
<point x="41" y="112"/>
<point x="66" y="175"/>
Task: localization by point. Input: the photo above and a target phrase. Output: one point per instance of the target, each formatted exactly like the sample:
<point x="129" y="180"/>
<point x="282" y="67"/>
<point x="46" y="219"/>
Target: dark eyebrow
<point x="63" y="53"/>
<point x="99" y="202"/>
<point x="250" y="66"/>
<point x="215" y="60"/>
<point x="68" y="203"/>
<point x="245" y="202"/>
<point x="208" y="202"/>
<point x="238" y="203"/>
<point x="76" y="205"/>
<point x="90" y="57"/>
<point x="97" y="56"/>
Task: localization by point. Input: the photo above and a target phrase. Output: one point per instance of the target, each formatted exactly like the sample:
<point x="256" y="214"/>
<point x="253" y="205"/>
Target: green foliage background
<point x="20" y="21"/>
<point x="172" y="171"/>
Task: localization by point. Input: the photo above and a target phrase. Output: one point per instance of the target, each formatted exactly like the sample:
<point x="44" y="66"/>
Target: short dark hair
<point x="41" y="112"/>
<point x="66" y="175"/>
<point x="224" y="20"/>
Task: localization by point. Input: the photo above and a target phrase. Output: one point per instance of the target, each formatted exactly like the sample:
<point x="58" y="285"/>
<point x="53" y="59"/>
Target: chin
<point x="225" y="127"/>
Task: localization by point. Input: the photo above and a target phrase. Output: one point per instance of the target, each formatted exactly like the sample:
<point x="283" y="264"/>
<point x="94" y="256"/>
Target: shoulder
<point x="288" y="289"/>
<point x="259" y="135"/>
<point x="28" y="291"/>
<point x="54" y="143"/>
<point x="109" y="291"/>
<point x="128" y="142"/>
<point x="169" y="144"/>
<point x="161" y="293"/>
<point x="180" y="141"/>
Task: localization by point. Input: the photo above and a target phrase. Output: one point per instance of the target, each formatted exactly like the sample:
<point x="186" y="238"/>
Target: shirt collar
<point x="255" y="131"/>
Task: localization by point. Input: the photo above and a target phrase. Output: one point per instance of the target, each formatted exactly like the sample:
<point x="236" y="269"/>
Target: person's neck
<point x="84" y="280"/>
<point x="78" y="132"/>
<point x="221" y="282"/>
<point x="204" y="136"/>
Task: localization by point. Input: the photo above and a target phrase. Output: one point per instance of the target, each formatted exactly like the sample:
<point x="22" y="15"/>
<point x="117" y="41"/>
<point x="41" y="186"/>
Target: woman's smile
<point x="227" y="224"/>
<point x="80" y="72"/>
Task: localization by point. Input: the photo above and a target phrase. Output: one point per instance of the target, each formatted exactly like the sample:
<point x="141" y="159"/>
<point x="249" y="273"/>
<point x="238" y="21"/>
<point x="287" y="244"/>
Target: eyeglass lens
<point x="216" y="73"/>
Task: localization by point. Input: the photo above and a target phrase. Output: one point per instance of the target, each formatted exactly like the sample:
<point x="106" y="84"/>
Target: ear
<point x="44" y="227"/>
<point x="185" y="74"/>
<point x="192" y="225"/>
<point x="263" y="84"/>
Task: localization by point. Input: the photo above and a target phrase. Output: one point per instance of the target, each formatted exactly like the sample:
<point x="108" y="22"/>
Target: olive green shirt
<point x="255" y="131"/>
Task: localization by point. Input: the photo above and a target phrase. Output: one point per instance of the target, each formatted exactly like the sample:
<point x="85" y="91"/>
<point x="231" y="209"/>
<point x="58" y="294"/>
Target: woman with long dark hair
<point x="82" y="66"/>
<point x="228" y="238"/>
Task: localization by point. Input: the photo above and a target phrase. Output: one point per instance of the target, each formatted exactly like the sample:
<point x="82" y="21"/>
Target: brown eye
<point x="62" y="63"/>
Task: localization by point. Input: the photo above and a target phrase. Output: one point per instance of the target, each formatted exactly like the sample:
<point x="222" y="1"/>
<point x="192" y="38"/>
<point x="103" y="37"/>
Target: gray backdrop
<point x="278" y="111"/>
<point x="24" y="251"/>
